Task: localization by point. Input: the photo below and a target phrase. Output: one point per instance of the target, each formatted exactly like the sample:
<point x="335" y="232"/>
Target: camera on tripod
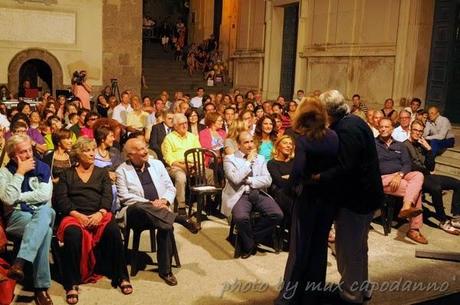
<point x="78" y="77"/>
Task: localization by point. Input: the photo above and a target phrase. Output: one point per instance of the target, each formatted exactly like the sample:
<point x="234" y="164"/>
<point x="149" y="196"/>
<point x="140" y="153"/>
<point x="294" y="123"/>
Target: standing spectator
<point x="357" y="165"/>
<point x="299" y="96"/>
<point x="81" y="89"/>
<point x="423" y="161"/>
<point x="314" y="209"/>
<point x="438" y="131"/>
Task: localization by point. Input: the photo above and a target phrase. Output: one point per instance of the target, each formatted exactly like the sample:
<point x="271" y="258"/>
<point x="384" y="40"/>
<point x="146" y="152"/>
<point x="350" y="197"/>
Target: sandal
<point x="125" y="287"/>
<point x="71" y="296"/>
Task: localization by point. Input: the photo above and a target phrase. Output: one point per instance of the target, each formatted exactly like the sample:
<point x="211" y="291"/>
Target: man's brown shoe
<point x="42" y="297"/>
<point x="416" y="236"/>
<point x="409" y="213"/>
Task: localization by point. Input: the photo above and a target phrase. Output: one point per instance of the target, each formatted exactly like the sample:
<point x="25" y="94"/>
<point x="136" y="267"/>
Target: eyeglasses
<point x="417" y="130"/>
<point x="92" y="119"/>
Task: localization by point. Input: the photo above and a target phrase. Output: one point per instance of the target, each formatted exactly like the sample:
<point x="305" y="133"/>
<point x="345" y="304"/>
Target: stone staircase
<point x="163" y="72"/>
<point x="449" y="162"/>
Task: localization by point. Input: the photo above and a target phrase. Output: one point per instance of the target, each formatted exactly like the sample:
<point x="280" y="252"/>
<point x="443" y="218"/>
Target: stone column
<point x="122" y="43"/>
<point x="413" y="48"/>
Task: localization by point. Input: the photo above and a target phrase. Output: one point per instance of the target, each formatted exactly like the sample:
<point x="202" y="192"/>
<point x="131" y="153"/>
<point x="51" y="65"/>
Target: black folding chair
<point x="196" y="178"/>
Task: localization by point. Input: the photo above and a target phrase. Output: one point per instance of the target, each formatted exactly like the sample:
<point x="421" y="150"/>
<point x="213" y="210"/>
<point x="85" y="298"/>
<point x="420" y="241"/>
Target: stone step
<point x="448" y="166"/>
<point x="453" y="153"/>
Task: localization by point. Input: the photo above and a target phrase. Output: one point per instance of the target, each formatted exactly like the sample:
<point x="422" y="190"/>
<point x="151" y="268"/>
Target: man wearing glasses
<point x="422" y="158"/>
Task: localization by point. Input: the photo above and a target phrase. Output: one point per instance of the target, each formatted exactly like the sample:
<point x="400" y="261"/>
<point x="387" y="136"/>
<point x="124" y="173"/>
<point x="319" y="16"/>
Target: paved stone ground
<point x="210" y="275"/>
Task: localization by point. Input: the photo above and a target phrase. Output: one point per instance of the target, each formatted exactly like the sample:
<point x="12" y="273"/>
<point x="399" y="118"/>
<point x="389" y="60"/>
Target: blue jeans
<point x="438" y="146"/>
<point x="35" y="230"/>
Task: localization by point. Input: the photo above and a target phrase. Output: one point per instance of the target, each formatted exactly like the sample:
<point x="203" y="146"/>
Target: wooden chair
<point x="196" y="178"/>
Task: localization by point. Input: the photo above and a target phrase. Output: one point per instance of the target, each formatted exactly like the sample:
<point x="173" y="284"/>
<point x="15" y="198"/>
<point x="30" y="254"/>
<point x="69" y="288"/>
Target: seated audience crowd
<point x="84" y="173"/>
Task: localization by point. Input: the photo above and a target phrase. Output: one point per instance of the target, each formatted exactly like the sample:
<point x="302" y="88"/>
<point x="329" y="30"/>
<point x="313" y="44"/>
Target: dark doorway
<point x="289" y="50"/>
<point x="38" y="73"/>
<point x="217" y="18"/>
<point x="443" y="88"/>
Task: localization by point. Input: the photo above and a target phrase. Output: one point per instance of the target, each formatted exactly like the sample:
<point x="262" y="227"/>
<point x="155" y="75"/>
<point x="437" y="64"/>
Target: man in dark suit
<point x="357" y="175"/>
<point x="159" y="132"/>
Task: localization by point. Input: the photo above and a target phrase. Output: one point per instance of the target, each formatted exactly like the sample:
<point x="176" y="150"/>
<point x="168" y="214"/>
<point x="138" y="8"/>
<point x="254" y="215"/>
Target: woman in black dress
<point x="280" y="168"/>
<point x="314" y="209"/>
<point x="92" y="240"/>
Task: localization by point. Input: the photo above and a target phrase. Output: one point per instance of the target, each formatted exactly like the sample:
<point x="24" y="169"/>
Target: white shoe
<point x="455" y="222"/>
<point x="448" y="227"/>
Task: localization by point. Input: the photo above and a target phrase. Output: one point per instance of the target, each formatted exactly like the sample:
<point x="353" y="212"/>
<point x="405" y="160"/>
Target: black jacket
<point x="157" y="135"/>
<point x="357" y="173"/>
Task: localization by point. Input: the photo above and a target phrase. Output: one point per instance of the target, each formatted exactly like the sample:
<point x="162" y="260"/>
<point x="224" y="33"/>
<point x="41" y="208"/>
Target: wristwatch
<point x="401" y="174"/>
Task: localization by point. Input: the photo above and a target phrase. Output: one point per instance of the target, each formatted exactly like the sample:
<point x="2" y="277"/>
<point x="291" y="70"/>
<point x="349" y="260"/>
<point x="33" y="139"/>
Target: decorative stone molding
<point x="20" y="58"/>
<point x="46" y="2"/>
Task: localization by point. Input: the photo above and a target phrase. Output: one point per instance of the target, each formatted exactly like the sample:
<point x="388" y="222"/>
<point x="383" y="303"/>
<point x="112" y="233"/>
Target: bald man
<point x="146" y="192"/>
<point x="438" y="131"/>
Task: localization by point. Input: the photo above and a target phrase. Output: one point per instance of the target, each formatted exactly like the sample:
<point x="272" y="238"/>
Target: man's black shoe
<point x="192" y="226"/>
<point x="169" y="279"/>
<point x="245" y="255"/>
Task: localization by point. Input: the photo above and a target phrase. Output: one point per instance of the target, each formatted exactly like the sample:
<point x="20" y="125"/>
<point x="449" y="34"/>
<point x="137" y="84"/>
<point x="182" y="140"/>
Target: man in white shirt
<point x="438" y="131"/>
<point x="4" y="123"/>
<point x="120" y="112"/>
<point x="197" y="101"/>
<point x="402" y="132"/>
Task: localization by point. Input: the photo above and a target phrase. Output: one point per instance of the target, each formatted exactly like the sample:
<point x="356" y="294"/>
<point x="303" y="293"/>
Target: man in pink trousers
<point x="399" y="180"/>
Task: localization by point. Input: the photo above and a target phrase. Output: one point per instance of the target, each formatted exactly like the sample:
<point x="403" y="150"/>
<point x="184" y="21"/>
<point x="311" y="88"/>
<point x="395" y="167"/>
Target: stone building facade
<point x="378" y="49"/>
<point x="102" y="37"/>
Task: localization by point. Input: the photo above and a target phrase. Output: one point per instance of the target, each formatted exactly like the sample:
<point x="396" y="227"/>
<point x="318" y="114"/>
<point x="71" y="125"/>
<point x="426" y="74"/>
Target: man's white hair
<point x="179" y="118"/>
<point x="10" y="146"/>
<point x="336" y="105"/>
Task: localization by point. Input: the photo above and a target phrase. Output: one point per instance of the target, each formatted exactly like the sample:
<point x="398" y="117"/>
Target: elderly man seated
<point x="423" y="160"/>
<point x="247" y="179"/>
<point x="174" y="145"/>
<point x="25" y="190"/>
<point x="146" y="192"/>
<point x="438" y="131"/>
<point x="399" y="180"/>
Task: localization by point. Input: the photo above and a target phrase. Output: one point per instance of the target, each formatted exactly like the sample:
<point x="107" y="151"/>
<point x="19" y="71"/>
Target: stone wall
<point x="122" y="43"/>
<point x="378" y="49"/>
<point x="64" y="35"/>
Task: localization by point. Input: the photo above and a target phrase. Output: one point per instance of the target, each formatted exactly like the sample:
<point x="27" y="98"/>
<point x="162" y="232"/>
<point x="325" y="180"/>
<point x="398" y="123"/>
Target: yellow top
<point x="137" y="120"/>
<point x="174" y="146"/>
